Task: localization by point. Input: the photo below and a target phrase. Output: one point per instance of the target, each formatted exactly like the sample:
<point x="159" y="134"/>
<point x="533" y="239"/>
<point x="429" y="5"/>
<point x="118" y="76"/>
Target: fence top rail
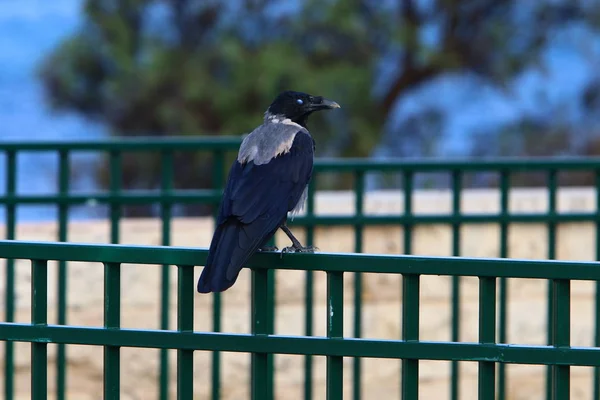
<point x="393" y="264"/>
<point x="224" y="143"/>
<point x="127" y="144"/>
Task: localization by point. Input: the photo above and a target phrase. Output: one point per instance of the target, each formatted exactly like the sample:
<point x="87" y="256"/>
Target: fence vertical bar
<point x="410" y="332"/>
<point x="487" y="333"/>
<point x="596" y="382"/>
<point x="185" y="323"/>
<point x="561" y="335"/>
<point x="61" y="298"/>
<point x="260" y="326"/>
<point x="335" y="329"/>
<point x="112" y="320"/>
<point x="503" y="297"/>
<point x="218" y="178"/>
<point x="270" y="329"/>
<point x="165" y="292"/>
<point x="39" y="316"/>
<point x="408" y="213"/>
<point x="115" y="188"/>
<point x="359" y="193"/>
<point x="408" y="178"/>
<point x="309" y="289"/>
<point x="456" y="195"/>
<point x="9" y="300"/>
<point x="552" y="186"/>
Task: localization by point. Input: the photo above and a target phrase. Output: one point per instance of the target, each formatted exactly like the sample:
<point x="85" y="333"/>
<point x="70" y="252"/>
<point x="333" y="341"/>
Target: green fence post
<point x="309" y="288"/>
<point x="260" y="382"/>
<point x="487" y="333"/>
<point x="61" y="298"/>
<point x="408" y="179"/>
<point x="335" y="329"/>
<point x="561" y="336"/>
<point x="455" y="335"/>
<point x="9" y="299"/>
<point x="503" y="297"/>
<point x="596" y="382"/>
<point x="185" y="323"/>
<point x="408" y="212"/>
<point x="115" y="189"/>
<point x="112" y="320"/>
<point x="218" y="179"/>
<point x="359" y="192"/>
<point x="552" y="186"/>
<point x="39" y="316"/>
<point x="165" y="292"/>
<point x="410" y="332"/>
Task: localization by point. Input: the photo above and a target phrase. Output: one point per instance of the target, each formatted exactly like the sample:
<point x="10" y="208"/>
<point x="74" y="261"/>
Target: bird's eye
<point x="299" y="101"/>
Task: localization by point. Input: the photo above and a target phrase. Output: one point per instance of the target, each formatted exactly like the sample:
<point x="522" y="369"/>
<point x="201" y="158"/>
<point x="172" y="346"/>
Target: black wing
<point x="255" y="203"/>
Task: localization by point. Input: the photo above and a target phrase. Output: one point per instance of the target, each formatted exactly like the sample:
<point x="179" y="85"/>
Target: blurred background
<point x="416" y="78"/>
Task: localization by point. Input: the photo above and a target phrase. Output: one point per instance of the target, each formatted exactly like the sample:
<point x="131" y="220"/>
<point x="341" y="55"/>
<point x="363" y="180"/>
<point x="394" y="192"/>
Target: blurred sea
<point x="28" y="30"/>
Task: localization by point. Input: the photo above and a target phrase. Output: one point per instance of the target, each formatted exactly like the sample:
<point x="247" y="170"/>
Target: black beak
<point x="330" y="104"/>
<point x="323" y="104"/>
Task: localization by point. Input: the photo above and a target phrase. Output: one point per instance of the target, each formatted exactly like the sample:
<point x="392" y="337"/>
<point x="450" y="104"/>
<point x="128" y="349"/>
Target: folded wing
<point x="255" y="204"/>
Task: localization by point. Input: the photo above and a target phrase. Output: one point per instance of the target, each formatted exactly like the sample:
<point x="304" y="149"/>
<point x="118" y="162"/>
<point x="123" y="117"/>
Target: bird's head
<point x="297" y="106"/>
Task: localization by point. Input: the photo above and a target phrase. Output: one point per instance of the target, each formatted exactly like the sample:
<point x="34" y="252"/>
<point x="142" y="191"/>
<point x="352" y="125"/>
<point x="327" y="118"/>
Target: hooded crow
<point x="268" y="180"/>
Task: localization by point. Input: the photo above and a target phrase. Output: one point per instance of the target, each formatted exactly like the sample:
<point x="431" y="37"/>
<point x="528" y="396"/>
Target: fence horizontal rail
<point x="127" y="144"/>
<point x="329" y="262"/>
<point x="317" y="346"/>
<point x="129" y="197"/>
<point x="124" y="198"/>
<point x="211" y="143"/>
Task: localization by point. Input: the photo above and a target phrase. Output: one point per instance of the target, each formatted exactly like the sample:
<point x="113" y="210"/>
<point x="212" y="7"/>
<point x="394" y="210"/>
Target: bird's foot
<point x="268" y="248"/>
<point x="299" y="249"/>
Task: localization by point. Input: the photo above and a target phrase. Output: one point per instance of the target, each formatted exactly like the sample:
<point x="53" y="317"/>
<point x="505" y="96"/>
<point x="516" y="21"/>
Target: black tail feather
<point x="232" y="245"/>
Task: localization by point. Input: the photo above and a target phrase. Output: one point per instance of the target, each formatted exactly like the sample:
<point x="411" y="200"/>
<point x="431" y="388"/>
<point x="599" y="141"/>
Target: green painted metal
<point x="503" y="297"/>
<point x="309" y="293"/>
<point x="61" y="289"/>
<point x="561" y="336"/>
<point x="359" y="192"/>
<point x="39" y="317"/>
<point x="408" y="217"/>
<point x="455" y="334"/>
<point x="165" y="292"/>
<point x="552" y="186"/>
<point x="185" y="327"/>
<point x="596" y="382"/>
<point x="261" y="384"/>
<point x="333" y="262"/>
<point x="487" y="334"/>
<point x="112" y="320"/>
<point x="261" y="342"/>
<point x="335" y="330"/>
<point x="9" y="300"/>
<point x="115" y="188"/>
<point x="218" y="182"/>
<point x="410" y="333"/>
<point x="318" y="346"/>
<point x="166" y="197"/>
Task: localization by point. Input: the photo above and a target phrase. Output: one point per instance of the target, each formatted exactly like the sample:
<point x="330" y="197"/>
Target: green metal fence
<point x="489" y="353"/>
<point x="116" y="197"/>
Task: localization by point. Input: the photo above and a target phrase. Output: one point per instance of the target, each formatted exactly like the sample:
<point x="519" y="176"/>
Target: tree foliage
<point x="173" y="67"/>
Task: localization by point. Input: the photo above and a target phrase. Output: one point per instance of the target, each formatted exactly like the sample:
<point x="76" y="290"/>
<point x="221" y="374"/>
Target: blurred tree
<point x="173" y="67"/>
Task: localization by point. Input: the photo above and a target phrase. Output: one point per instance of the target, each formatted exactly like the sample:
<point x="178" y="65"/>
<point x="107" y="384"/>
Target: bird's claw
<point x="268" y="248"/>
<point x="302" y="249"/>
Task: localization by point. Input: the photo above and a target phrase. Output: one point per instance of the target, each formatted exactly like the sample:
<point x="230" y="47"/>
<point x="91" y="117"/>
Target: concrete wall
<point x="382" y="299"/>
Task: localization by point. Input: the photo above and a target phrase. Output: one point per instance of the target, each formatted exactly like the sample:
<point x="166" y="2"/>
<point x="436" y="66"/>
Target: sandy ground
<point x="381" y="297"/>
